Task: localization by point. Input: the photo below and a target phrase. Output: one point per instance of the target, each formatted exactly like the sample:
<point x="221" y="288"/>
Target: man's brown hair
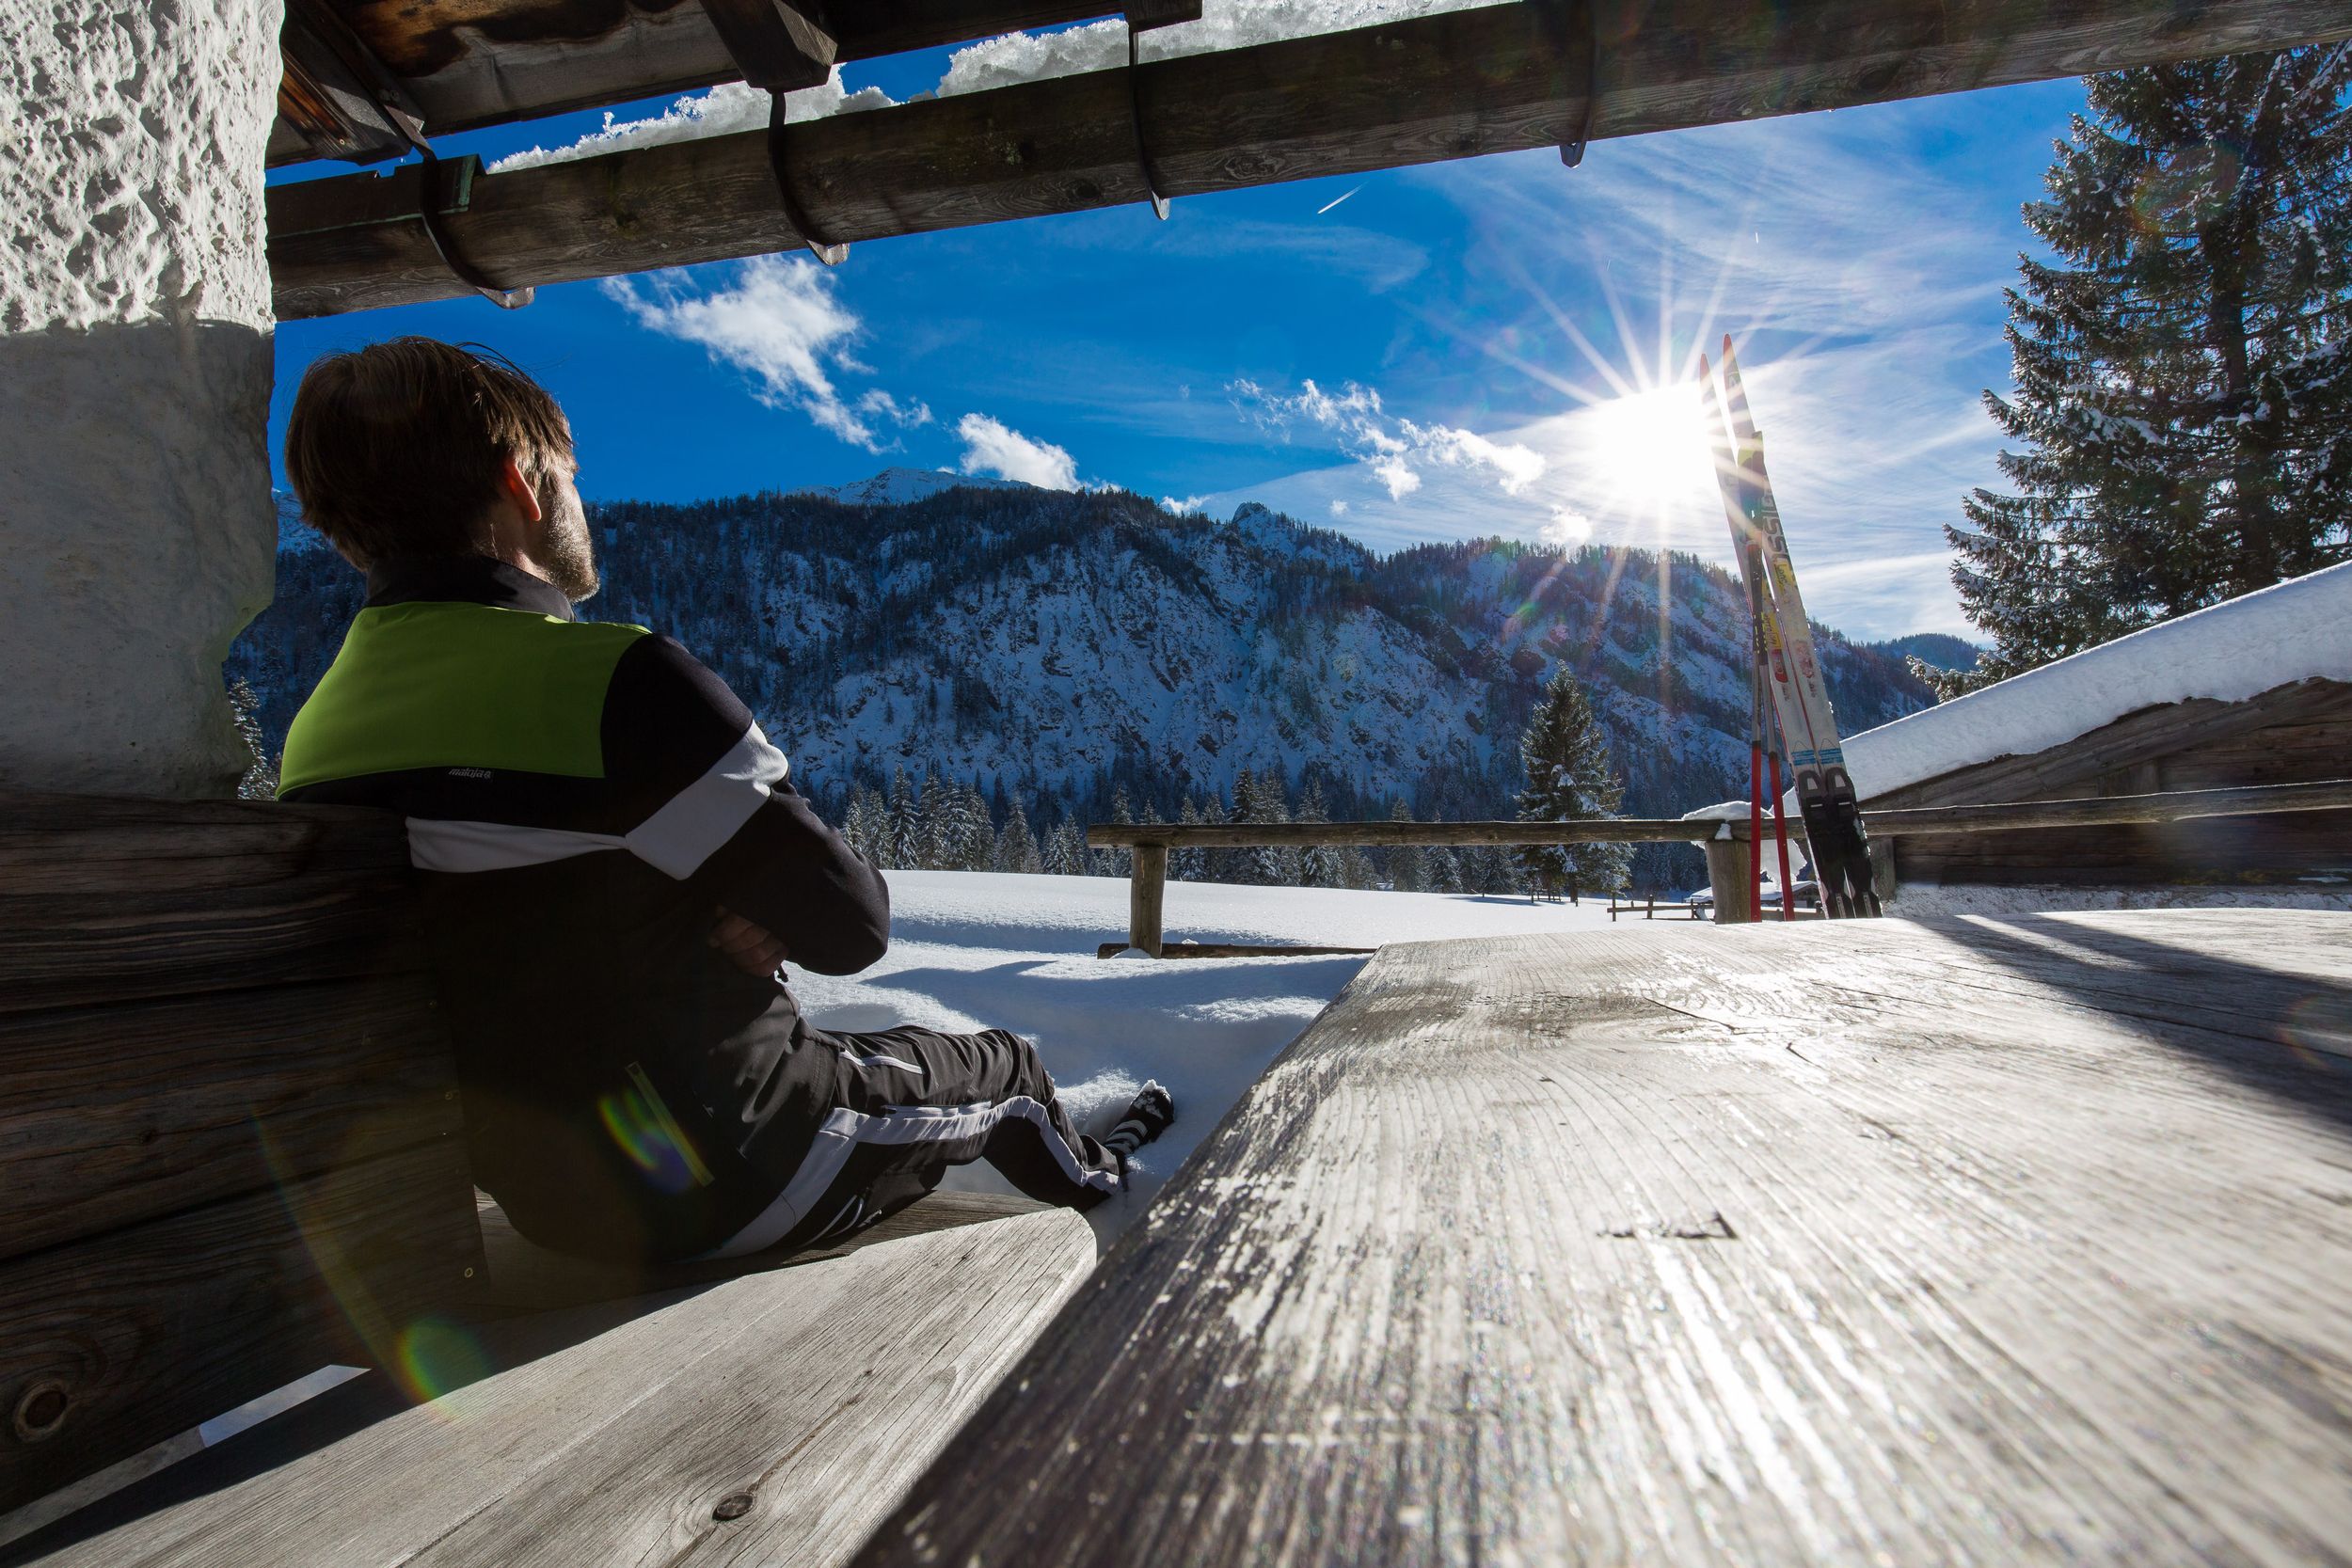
<point x="394" y="449"/>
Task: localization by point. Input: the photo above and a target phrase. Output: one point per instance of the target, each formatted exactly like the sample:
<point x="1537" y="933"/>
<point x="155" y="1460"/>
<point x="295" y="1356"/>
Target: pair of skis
<point x="1802" y="726"/>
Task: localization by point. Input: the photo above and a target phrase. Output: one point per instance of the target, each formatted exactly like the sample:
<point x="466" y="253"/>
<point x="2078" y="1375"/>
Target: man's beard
<point x="565" y="551"/>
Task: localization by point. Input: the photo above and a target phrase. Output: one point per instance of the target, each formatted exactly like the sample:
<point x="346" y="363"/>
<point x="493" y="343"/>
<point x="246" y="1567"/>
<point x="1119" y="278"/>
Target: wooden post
<point x="1145" y="891"/>
<point x="1727" y="874"/>
<point x="1882" y="868"/>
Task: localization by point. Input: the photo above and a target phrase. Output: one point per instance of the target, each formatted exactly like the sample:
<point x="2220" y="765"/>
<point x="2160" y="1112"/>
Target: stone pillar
<point x="135" y="529"/>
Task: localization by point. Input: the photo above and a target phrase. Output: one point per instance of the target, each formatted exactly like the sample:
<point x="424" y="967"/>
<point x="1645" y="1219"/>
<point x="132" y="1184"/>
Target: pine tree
<point x="1065" y="851"/>
<point x="1319" y="865"/>
<point x="1569" y="779"/>
<point x="906" y="824"/>
<point x="260" y="782"/>
<point x="1188" y="862"/>
<point x="1445" y="869"/>
<point x="1118" y="862"/>
<point x="1016" y="846"/>
<point x="935" y="824"/>
<point x="977" y="845"/>
<point x="2184" y="369"/>
<point x="1408" y="864"/>
<point x="868" y="825"/>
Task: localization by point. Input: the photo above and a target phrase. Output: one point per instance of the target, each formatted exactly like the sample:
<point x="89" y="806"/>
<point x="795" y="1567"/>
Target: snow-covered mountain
<point x="898" y="486"/>
<point x="1057" y="647"/>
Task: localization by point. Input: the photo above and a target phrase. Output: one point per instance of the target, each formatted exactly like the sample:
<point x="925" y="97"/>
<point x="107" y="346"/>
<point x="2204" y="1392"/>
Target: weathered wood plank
<point x="2149" y="738"/>
<point x="471" y="63"/>
<point x="1452" y="86"/>
<point x="1147" y="891"/>
<point x="1236" y="950"/>
<point x="524" y="1276"/>
<point x="106" y="900"/>
<point x="110" y="1344"/>
<point x="1814" y="1243"/>
<point x="2179" y="805"/>
<point x="612" y="1435"/>
<point x="775" y="44"/>
<point x="1622" y="829"/>
<point x="110" y="1116"/>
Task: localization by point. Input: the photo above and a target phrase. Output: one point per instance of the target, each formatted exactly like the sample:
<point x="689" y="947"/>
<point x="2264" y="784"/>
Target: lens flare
<point x="432" y="1357"/>
<point x="425" y="1357"/>
<point x="640" y="1124"/>
<point x="2319" y="1029"/>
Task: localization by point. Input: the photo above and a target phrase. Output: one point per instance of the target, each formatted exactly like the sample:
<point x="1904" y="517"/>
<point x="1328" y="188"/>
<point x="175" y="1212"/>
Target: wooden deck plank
<point x="609" y="1434"/>
<point x="2003" y="1241"/>
<point x="526" y="1277"/>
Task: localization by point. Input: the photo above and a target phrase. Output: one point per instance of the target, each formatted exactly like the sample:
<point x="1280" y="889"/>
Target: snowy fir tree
<point x="1319" y="865"/>
<point x="1569" y="779"/>
<point x="905" y="825"/>
<point x="1016" y="846"/>
<point x="2184" y="366"/>
<point x="1408" y="864"/>
<point x="1190" y="863"/>
<point x="260" y="774"/>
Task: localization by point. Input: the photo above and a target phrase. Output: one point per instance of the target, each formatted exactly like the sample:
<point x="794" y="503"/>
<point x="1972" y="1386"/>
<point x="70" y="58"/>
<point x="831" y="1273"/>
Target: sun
<point x="1647" y="450"/>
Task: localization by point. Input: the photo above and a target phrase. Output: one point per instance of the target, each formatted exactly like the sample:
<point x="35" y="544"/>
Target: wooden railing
<point x="1724" y="841"/>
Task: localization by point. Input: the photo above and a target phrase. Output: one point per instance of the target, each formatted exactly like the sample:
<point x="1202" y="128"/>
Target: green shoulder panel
<point x="451" y="685"/>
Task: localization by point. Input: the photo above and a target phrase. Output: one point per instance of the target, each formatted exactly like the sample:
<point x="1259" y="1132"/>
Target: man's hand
<point x="747" y="946"/>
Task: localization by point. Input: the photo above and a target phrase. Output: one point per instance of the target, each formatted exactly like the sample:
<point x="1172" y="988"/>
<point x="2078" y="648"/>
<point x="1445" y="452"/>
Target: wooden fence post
<point x="1145" y="889"/>
<point x="1727" y="874"/>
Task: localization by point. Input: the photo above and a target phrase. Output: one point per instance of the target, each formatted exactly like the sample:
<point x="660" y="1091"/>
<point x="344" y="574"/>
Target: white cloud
<point x="1182" y="504"/>
<point x="1394" y="449"/>
<point x="991" y="447"/>
<point x="727" y="108"/>
<point x="783" y="323"/>
<point x="995" y="62"/>
<point x="882" y="405"/>
<point x="1567" y="528"/>
<point x="1338" y="507"/>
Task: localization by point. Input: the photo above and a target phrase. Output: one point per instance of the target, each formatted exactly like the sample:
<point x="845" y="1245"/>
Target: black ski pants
<point x="908" y="1103"/>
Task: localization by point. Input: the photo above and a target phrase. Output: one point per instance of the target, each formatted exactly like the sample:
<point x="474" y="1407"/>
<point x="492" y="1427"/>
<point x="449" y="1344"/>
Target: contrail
<point x="1336" y="200"/>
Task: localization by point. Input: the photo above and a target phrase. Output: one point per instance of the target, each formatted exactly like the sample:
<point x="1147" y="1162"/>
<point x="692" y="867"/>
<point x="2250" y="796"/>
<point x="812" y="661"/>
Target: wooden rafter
<point x="1451" y="85"/>
<point x="330" y="93"/>
<point x="781" y="45"/>
<point x="470" y="63"/>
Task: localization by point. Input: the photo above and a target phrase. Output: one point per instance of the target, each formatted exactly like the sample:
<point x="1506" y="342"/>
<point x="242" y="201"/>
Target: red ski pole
<point x="1780" y="835"/>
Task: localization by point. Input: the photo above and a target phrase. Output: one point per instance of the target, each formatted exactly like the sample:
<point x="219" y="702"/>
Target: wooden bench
<point x="230" y="1156"/>
<point x="1852" y="1242"/>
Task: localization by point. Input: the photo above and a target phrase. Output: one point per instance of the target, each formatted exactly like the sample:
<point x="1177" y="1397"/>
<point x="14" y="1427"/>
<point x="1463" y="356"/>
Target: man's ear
<point x="515" y="487"/>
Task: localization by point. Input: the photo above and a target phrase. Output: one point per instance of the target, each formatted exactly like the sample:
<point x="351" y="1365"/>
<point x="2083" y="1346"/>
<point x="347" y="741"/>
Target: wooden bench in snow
<point x="228" y="1157"/>
<point x="2008" y="1242"/>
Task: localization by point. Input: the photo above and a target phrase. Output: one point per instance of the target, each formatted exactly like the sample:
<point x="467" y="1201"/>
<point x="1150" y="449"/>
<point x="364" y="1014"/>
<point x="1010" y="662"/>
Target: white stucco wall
<point x="135" y="527"/>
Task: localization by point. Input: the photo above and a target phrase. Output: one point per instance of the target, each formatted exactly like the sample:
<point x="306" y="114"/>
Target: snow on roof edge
<point x="2295" y="630"/>
<point x="2300" y="630"/>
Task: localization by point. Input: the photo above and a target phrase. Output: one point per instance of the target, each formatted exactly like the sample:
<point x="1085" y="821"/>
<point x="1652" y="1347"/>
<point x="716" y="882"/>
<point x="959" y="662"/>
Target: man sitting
<point x="617" y="862"/>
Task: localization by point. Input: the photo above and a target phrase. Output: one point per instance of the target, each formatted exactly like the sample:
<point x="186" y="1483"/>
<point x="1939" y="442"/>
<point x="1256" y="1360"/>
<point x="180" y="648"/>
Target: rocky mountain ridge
<point x="1058" y="648"/>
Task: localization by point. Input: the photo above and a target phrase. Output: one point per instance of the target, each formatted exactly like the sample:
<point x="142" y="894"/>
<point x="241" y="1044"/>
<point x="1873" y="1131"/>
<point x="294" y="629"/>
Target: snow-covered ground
<point x="976" y="950"/>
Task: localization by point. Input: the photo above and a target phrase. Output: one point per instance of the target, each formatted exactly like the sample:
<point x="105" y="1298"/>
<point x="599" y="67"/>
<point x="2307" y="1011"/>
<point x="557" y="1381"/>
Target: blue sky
<point x="1501" y="345"/>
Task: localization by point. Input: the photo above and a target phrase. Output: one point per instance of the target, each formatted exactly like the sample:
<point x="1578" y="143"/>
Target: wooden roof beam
<point x="334" y="100"/>
<point x="470" y="63"/>
<point x="781" y="45"/>
<point x="1450" y="86"/>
